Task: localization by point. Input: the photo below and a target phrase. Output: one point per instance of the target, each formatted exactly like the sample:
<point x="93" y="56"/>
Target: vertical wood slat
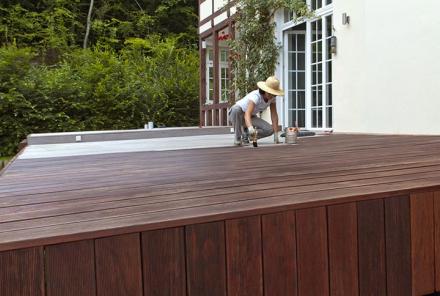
<point x="163" y="253"/>
<point x="206" y="266"/>
<point x="422" y="243"/>
<point x="243" y="256"/>
<point x="343" y="252"/>
<point x="371" y="238"/>
<point x="70" y="269"/>
<point x="279" y="254"/>
<point x="22" y="272"/>
<point x="437" y="238"/>
<point x="398" y="246"/>
<point x="118" y="265"/>
<point x="311" y="230"/>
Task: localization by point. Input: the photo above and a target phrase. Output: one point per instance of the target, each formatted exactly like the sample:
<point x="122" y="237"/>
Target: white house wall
<point x="218" y="4"/>
<point x="205" y="27"/>
<point x="205" y="9"/>
<point x="387" y="69"/>
<point x="220" y="18"/>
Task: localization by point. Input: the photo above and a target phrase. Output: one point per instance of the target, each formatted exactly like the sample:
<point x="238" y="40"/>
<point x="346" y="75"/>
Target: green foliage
<point x="150" y="80"/>
<point x="141" y="65"/>
<point x="254" y="49"/>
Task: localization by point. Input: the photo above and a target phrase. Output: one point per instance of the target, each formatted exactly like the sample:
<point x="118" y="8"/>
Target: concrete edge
<point x="99" y="136"/>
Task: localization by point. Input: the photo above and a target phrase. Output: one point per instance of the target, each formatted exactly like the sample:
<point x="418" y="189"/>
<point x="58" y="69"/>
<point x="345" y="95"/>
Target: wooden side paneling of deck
<point x="319" y="250"/>
<point x="343" y="249"/>
<point x="70" y="269"/>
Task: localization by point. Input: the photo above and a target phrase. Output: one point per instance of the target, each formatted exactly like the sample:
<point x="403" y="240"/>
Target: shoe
<point x="238" y="142"/>
<point x="245" y="137"/>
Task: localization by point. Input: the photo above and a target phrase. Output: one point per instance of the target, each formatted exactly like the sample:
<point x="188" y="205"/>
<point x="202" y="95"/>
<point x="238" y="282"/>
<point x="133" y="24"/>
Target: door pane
<point x="329" y="71"/>
<point x="292" y="80"/>
<point x="292" y="60"/>
<point x="301" y="99"/>
<point x="301" y="42"/>
<point x="329" y="95"/>
<point x="302" y="118"/>
<point x="292" y="99"/>
<point x="301" y="61"/>
<point x="301" y="80"/>
<point x="329" y="117"/>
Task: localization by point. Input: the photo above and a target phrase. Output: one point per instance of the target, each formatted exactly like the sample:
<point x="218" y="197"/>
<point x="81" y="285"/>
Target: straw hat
<point x="272" y="86"/>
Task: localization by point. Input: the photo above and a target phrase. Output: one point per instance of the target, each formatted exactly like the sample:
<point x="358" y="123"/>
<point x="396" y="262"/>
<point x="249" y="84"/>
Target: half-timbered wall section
<point x="215" y="29"/>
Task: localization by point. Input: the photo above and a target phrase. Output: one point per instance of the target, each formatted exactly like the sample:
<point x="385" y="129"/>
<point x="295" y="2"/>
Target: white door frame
<point x="321" y="13"/>
<point x="286" y="72"/>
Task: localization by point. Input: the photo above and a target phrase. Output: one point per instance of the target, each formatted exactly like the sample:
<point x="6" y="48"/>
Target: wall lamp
<point x="333" y="44"/>
<point x="203" y="44"/>
<point x="345" y="19"/>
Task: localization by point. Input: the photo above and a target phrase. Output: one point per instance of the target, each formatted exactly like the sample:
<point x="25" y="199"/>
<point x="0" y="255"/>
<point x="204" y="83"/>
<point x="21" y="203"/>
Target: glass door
<point x="321" y="107"/>
<point x="296" y="78"/>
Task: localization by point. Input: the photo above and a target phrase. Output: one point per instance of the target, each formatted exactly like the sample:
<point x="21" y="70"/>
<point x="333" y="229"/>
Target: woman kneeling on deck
<point x="243" y="113"/>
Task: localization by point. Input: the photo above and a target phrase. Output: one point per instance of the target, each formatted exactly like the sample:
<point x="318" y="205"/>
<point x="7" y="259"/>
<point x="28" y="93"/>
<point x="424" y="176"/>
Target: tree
<point x="254" y="49"/>
<point x="89" y="20"/>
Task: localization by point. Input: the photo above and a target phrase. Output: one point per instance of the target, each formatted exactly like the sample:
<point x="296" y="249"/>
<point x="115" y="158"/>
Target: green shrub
<point x="97" y="89"/>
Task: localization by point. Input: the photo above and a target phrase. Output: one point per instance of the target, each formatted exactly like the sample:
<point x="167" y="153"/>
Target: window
<point x="224" y="75"/>
<point x="209" y="75"/>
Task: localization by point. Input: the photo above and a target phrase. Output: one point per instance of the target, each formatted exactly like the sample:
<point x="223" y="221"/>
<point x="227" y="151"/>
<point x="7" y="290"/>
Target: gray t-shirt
<point x="257" y="98"/>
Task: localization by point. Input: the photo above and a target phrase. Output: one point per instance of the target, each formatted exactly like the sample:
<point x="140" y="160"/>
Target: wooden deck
<point x="334" y="215"/>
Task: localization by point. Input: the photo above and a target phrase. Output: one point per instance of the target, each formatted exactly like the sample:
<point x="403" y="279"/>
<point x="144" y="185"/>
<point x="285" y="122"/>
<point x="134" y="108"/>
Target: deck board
<point x="61" y="199"/>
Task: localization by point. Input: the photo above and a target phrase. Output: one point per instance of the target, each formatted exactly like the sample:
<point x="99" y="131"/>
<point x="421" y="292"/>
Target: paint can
<point x="291" y="135"/>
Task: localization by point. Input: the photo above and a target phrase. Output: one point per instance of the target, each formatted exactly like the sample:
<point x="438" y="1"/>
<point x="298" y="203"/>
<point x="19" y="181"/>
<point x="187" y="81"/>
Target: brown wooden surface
<point x="163" y="257"/>
<point x="70" y="269"/>
<point x="21" y="272"/>
<point x="371" y="236"/>
<point x="49" y="201"/>
<point x="243" y="257"/>
<point x="311" y="229"/>
<point x="118" y="265"/>
<point x="422" y="243"/>
<point x="206" y="263"/>
<point x="398" y="246"/>
<point x="343" y="250"/>
<point x="279" y="254"/>
<point x="437" y="238"/>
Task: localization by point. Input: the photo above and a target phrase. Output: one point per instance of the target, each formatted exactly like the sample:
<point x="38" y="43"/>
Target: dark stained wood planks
<point x="206" y="263"/>
<point x="118" y="265"/>
<point x="21" y="272"/>
<point x="279" y="254"/>
<point x="398" y="246"/>
<point x="422" y="243"/>
<point x="70" y="269"/>
<point x="371" y="235"/>
<point x="243" y="257"/>
<point x="163" y="256"/>
<point x="343" y="249"/>
<point x="312" y="254"/>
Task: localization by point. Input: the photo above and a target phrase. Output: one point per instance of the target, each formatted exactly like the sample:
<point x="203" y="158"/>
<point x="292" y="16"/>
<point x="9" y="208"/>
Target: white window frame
<point x="223" y="65"/>
<point x="209" y="65"/>
<point x="288" y="110"/>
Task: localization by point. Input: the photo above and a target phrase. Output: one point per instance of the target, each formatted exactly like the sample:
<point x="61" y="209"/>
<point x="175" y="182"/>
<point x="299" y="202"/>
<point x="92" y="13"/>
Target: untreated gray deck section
<point x="97" y="136"/>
